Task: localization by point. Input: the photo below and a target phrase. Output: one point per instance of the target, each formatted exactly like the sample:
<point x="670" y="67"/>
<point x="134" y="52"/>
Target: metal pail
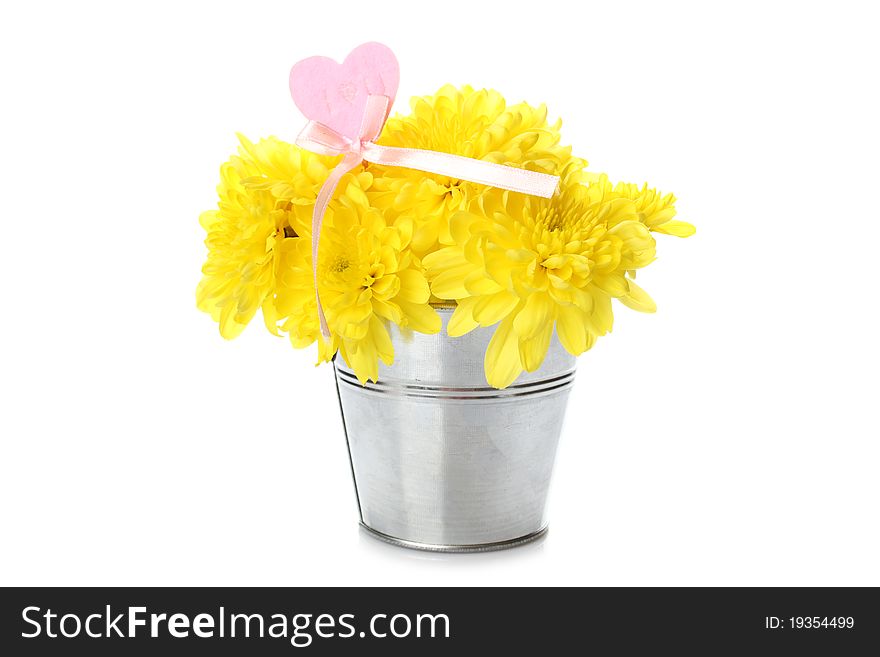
<point x="442" y="461"/>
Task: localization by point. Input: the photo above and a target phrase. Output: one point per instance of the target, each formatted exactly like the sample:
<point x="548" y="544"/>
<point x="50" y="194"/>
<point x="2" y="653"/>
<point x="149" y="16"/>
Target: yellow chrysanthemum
<point x="239" y="274"/>
<point x="473" y="123"/>
<point x="524" y="263"/>
<point x="267" y="192"/>
<point x="295" y="296"/>
<point x="655" y="210"/>
<point x="532" y="263"/>
<point x="295" y="299"/>
<point x="293" y="175"/>
<point x="367" y="276"/>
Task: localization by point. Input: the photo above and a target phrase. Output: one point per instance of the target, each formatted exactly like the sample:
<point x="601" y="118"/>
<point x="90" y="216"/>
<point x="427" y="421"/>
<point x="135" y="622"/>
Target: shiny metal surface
<point x="433" y="547"/>
<point x="441" y="461"/>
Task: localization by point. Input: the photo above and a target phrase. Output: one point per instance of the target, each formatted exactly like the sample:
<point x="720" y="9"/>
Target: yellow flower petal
<point x="571" y="327"/>
<point x="387" y="287"/>
<point x="420" y="317"/>
<point x="229" y="328"/>
<point x="537" y="313"/>
<point x="614" y="284"/>
<point x="390" y="311"/>
<point x="362" y="358"/>
<point x="601" y="316"/>
<point x="381" y="340"/>
<point x="413" y="287"/>
<point x="676" y="228"/>
<point x="462" y="320"/>
<point x="327" y="348"/>
<point x="450" y="284"/>
<point x="637" y="299"/>
<point x="425" y="236"/>
<point x="502" y="363"/>
<point x="443" y="260"/>
<point x="460" y="226"/>
<point x="493" y="308"/>
<point x="270" y="316"/>
<point x="532" y="351"/>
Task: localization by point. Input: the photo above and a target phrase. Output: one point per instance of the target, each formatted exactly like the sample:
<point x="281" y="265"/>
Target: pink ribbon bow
<point x="321" y="139"/>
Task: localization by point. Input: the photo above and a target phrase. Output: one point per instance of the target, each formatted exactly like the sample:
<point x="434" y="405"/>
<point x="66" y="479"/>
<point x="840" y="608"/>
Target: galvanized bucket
<point x="442" y="461"/>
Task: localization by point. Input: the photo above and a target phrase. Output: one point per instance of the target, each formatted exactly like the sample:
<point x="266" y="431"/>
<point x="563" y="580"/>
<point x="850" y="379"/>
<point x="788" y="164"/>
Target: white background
<point x="732" y="438"/>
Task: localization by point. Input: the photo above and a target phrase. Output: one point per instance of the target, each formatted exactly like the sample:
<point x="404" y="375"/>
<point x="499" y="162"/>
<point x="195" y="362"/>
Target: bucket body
<point x="441" y="460"/>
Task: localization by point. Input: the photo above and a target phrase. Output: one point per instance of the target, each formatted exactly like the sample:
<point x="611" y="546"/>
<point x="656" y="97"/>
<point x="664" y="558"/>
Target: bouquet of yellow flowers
<point x="397" y="242"/>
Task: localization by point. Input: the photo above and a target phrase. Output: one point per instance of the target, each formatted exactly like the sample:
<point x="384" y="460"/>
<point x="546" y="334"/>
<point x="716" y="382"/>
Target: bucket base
<point x="477" y="547"/>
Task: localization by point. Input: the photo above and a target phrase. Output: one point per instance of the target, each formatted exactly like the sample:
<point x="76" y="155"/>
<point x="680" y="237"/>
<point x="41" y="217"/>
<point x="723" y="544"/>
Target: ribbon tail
<point x="349" y="162"/>
<point x="481" y="172"/>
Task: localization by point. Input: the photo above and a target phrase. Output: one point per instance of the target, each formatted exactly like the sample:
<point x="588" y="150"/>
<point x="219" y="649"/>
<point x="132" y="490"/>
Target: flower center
<point x="453" y="189"/>
<point x="374" y="274"/>
<point x="340" y="264"/>
<point x="555" y="222"/>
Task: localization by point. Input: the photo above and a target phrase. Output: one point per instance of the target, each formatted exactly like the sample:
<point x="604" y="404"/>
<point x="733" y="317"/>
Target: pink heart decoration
<point x="336" y="94"/>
